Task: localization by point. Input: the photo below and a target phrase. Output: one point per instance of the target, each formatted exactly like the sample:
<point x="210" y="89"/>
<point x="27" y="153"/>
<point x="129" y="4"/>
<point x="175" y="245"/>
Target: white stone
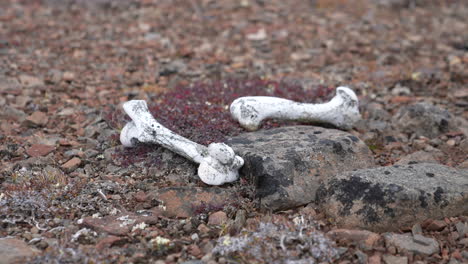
<point x="341" y="111"/>
<point x="218" y="162"/>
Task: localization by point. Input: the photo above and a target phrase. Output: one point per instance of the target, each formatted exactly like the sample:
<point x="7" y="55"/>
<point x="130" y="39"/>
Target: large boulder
<point x="395" y="197"/>
<point x="288" y="164"/>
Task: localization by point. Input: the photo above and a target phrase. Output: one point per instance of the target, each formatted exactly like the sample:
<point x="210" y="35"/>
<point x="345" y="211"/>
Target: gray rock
<point x="407" y="243"/>
<point x="390" y="198"/>
<point x="287" y="164"/>
<point x="15" y="251"/>
<point x="424" y="119"/>
<point x="390" y="259"/>
<point x="193" y="262"/>
<point x="462" y="228"/>
<point x="9" y="112"/>
<point x="361" y="257"/>
<point x="173" y="67"/>
<point x="30" y="81"/>
<point x="7" y="83"/>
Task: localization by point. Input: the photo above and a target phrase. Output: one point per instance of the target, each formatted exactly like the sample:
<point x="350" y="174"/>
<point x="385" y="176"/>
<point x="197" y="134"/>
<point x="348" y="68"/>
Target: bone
<point x="342" y="111"/>
<point x="218" y="162"/>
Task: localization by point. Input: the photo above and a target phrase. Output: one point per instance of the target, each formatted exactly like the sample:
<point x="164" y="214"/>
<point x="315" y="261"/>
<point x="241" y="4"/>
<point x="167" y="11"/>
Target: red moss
<point x="200" y="111"/>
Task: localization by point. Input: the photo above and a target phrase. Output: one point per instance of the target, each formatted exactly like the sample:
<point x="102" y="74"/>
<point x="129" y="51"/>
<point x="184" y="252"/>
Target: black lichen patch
<point x="422" y="199"/>
<point x="429" y="174"/>
<point x="296" y="161"/>
<point x="346" y="141"/>
<point x="439" y="197"/>
<point x="269" y="184"/>
<point x="337" y="148"/>
<point x="355" y="189"/>
<point x="267" y="180"/>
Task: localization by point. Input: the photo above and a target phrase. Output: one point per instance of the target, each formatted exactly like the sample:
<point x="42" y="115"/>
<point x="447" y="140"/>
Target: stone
<point x="68" y="76"/>
<point x="36" y="119"/>
<point x="394" y="197"/>
<point x="416" y="229"/>
<point x="217" y="218"/>
<point x="390" y="259"/>
<point x="424" y="119"/>
<point x="463" y="165"/>
<point x="7" y="84"/>
<point x="72" y="164"/>
<point x="119" y="225"/>
<point x="15" y="251"/>
<point x="109" y="241"/>
<point x="10" y="113"/>
<point x="363" y="238"/>
<point x="287" y="164"/>
<point x="30" y="81"/>
<point x="54" y="76"/>
<point x="183" y="202"/>
<point x="238" y="223"/>
<point x="37" y="150"/>
<point x="417" y="157"/>
<point x="417" y="244"/>
<point x="375" y="259"/>
<point x="435" y="225"/>
<point x="203" y="229"/>
<point x="361" y="257"/>
<point x="462" y="228"/>
<point x="257" y="36"/>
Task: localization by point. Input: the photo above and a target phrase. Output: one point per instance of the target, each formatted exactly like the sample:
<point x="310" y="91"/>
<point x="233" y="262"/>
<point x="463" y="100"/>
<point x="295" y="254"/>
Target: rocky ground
<point x="392" y="190"/>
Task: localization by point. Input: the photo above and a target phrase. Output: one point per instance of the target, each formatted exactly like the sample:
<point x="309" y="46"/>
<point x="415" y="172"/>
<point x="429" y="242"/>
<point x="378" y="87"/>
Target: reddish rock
<point x="72" y="164"/>
<point x="435" y="225"/>
<point x="217" y="218"/>
<point x="375" y="259"/>
<point x="141" y="197"/>
<point x="37" y="119"/>
<point x="194" y="250"/>
<point x="365" y="239"/>
<point x="15" y="251"/>
<point x="38" y="150"/>
<point x="183" y="202"/>
<point x="118" y="225"/>
<point x="457" y="255"/>
<point x="203" y="229"/>
<point x="109" y="241"/>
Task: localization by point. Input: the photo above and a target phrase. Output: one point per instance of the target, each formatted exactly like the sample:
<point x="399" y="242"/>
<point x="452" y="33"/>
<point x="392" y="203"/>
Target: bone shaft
<point x="309" y="112"/>
<point x="154" y="132"/>
<point x="178" y="144"/>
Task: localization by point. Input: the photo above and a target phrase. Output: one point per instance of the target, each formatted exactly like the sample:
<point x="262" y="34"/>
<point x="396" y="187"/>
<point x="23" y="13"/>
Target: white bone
<point x="341" y="111"/>
<point x="218" y="162"/>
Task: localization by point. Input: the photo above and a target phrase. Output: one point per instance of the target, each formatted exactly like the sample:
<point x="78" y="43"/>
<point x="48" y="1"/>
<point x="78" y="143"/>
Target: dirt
<point x="74" y="195"/>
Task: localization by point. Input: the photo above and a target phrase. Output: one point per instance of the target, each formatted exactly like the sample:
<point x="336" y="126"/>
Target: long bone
<point x="218" y="162"/>
<point x="341" y="111"/>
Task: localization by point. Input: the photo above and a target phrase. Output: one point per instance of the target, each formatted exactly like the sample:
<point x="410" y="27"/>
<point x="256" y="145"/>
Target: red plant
<point x="200" y="111"/>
